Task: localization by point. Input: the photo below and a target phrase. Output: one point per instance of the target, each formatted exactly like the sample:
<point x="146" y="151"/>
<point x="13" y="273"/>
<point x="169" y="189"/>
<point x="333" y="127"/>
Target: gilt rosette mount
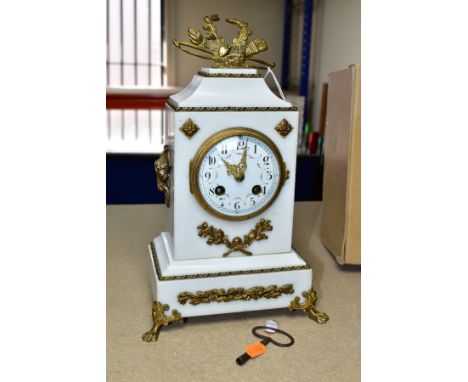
<point x="212" y="46"/>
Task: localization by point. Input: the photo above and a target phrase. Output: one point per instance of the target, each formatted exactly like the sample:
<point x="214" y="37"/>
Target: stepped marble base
<point x="187" y="288"/>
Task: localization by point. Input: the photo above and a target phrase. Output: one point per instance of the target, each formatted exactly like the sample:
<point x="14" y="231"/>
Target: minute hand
<point x="242" y="166"/>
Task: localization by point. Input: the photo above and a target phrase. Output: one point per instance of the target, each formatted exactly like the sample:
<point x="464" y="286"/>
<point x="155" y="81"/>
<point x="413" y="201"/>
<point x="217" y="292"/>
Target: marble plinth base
<point x="187" y="288"/>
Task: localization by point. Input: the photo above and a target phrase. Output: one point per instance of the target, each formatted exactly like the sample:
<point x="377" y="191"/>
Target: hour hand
<point x="237" y="170"/>
<point x="231" y="168"/>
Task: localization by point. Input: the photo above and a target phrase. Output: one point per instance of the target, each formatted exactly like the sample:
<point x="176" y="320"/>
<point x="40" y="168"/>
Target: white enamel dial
<point x="240" y="175"/>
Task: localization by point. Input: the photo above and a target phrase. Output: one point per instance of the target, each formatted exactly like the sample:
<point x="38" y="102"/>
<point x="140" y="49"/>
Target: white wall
<point x="265" y="18"/>
<point x="337" y="42"/>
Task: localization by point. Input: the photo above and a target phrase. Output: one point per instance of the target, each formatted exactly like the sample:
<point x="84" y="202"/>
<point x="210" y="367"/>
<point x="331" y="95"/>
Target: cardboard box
<point x="341" y="215"/>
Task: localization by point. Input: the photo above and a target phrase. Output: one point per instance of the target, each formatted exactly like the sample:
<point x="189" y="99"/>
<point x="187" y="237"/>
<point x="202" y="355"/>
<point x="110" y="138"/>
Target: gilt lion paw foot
<point x="150" y="336"/>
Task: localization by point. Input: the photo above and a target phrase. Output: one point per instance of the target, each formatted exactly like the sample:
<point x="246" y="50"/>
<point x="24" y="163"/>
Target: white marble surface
<point x="221" y="91"/>
<point x="167" y="291"/>
<point x="185" y="213"/>
<point x="172" y="267"/>
<point x="188" y="214"/>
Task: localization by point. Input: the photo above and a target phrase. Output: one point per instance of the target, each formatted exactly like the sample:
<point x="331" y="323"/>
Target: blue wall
<point x="131" y="179"/>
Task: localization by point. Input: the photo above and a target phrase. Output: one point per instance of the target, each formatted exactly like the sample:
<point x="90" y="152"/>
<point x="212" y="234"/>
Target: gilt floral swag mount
<point x="237" y="54"/>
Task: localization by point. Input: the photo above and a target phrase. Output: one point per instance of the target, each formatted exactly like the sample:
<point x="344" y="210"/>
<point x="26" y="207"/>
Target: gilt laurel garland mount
<point x="162" y="167"/>
<point x="159" y="320"/>
<point x="234" y="294"/>
<point x="217" y="236"/>
<point x="212" y="46"/>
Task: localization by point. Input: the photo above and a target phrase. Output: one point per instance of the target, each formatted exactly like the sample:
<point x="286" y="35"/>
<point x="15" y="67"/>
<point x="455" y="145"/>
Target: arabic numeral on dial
<point x="224" y="148"/>
<point x="240" y="144"/>
<point x="252" y="201"/>
<point x="237" y="206"/>
<point x="211" y="161"/>
<point x="207" y="175"/>
<point x="212" y="191"/>
<point x="266" y="160"/>
<point x="255" y="149"/>
<point x="264" y="190"/>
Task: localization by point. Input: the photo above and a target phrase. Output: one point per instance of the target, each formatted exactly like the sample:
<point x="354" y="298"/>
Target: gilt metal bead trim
<point x="172" y="104"/>
<point x="283" y="128"/>
<point x="308" y="306"/>
<point x="217" y="236"/>
<point x="160" y="319"/>
<point x="189" y="128"/>
<point x="234" y="294"/>
<point x="219" y="274"/>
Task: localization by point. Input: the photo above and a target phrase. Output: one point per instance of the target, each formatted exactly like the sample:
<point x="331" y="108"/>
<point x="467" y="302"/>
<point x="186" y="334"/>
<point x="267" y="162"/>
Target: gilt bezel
<point x="194" y="169"/>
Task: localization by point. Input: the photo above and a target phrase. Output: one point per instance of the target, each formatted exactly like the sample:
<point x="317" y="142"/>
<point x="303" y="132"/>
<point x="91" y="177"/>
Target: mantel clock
<point x="227" y="171"/>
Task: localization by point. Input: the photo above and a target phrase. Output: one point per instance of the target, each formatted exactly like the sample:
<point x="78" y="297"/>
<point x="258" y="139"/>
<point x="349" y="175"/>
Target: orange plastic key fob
<point x="256" y="349"/>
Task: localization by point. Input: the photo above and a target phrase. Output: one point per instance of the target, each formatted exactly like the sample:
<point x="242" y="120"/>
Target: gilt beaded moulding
<point x="241" y="109"/>
<point x="154" y="255"/>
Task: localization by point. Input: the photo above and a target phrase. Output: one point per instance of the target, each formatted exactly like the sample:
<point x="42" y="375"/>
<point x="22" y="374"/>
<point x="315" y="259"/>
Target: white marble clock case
<point x="180" y="260"/>
<point x="185" y="213"/>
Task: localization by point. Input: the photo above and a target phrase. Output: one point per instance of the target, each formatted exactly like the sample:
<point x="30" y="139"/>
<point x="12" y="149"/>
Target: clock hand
<point x="237" y="170"/>
<point x="243" y="162"/>
<point x="241" y="166"/>
<point x="231" y="168"/>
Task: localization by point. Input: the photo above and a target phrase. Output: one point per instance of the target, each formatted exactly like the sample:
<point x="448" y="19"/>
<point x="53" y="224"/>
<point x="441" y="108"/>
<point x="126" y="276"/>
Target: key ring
<point x="254" y="332"/>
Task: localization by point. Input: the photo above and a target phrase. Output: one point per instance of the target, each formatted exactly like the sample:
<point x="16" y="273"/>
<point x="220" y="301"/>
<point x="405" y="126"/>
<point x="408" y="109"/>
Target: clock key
<point x="258" y="348"/>
<point x="253" y="350"/>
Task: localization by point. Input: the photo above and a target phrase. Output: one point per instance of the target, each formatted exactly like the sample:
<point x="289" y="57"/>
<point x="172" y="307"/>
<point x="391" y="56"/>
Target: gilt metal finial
<point x="224" y="55"/>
